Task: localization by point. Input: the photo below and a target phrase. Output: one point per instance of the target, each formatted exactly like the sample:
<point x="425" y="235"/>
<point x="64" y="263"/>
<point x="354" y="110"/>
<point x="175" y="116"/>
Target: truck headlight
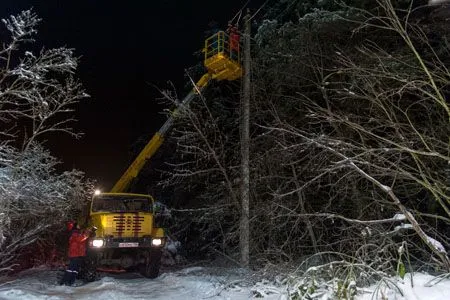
<point x="97" y="243"/>
<point x="156" y="242"/>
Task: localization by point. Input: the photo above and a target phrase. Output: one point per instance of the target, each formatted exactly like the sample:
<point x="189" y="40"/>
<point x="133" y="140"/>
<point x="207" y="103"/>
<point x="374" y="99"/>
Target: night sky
<point x="127" y="48"/>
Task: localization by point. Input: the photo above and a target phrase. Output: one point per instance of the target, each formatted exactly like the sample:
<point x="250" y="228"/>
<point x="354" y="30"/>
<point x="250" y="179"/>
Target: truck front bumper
<point x="125" y="242"/>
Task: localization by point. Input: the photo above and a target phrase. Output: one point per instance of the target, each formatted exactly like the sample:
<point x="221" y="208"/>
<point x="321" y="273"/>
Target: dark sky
<point x="126" y="48"/>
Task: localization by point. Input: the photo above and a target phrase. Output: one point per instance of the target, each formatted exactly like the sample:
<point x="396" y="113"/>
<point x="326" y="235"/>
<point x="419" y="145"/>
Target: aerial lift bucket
<point x="222" y="57"/>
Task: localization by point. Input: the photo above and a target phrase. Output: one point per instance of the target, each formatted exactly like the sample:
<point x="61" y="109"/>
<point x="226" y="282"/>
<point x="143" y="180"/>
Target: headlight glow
<point x="156" y="242"/>
<point x="97" y="243"/>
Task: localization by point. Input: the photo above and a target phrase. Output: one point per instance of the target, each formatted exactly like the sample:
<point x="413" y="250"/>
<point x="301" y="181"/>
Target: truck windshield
<point x="121" y="203"/>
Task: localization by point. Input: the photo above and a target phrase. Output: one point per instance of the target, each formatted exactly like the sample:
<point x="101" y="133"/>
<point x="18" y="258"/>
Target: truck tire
<point x="90" y="273"/>
<point x="150" y="268"/>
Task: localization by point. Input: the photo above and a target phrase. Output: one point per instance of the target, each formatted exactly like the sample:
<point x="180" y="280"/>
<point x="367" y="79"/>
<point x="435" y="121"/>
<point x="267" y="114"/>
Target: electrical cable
<point x="239" y="12"/>
<point x="259" y="9"/>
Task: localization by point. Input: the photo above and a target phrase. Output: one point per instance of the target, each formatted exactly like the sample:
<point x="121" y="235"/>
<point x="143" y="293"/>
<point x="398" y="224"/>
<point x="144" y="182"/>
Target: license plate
<point x="128" y="245"/>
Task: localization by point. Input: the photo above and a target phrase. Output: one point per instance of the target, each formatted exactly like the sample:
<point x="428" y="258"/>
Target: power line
<point x="239" y="13"/>
<point x="259" y="9"/>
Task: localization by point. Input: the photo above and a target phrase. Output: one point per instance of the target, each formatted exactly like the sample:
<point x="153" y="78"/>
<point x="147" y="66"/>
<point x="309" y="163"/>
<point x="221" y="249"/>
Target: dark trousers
<point x="72" y="270"/>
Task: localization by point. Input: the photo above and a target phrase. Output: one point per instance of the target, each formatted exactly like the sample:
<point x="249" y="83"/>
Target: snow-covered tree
<point x="356" y="104"/>
<point x="38" y="91"/>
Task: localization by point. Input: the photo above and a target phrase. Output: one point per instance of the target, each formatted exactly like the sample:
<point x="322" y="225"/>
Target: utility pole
<point x="245" y="145"/>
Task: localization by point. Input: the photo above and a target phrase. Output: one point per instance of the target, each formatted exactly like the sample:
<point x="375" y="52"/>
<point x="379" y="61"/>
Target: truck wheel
<point x="150" y="268"/>
<point x="90" y="269"/>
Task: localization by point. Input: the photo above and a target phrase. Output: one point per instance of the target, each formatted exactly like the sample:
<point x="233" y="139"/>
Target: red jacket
<point x="77" y="244"/>
<point x="234" y="38"/>
<point x="234" y="41"/>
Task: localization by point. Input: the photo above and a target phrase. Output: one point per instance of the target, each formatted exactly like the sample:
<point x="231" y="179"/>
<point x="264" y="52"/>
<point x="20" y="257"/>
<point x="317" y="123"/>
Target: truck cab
<point x="126" y="236"/>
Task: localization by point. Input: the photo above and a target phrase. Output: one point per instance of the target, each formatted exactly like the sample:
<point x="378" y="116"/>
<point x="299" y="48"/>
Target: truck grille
<point x="128" y="225"/>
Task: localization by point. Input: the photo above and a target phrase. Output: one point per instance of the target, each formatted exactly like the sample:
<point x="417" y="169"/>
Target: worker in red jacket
<point x="234" y="39"/>
<point x="77" y="252"/>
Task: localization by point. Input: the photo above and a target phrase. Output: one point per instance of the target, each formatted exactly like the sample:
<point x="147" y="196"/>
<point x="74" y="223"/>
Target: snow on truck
<point x="126" y="234"/>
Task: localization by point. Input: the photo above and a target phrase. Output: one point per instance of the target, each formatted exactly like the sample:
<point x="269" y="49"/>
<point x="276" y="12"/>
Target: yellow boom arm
<point x="123" y="184"/>
<point x="222" y="57"/>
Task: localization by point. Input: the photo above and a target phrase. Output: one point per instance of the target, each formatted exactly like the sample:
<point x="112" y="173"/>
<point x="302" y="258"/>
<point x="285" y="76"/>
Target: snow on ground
<point x="422" y="287"/>
<point x="190" y="283"/>
<point x="201" y="283"/>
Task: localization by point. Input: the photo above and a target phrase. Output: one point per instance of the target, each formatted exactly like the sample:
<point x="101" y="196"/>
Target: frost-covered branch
<point x="37" y="90"/>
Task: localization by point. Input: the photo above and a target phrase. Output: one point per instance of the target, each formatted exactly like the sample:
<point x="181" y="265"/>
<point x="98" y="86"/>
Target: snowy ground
<point x="199" y="283"/>
<point x="422" y="287"/>
<point x="189" y="283"/>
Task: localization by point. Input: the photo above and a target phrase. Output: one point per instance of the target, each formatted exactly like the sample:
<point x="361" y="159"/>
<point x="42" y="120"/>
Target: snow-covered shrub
<point x="171" y="253"/>
<point x="34" y="199"/>
<point x="338" y="279"/>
